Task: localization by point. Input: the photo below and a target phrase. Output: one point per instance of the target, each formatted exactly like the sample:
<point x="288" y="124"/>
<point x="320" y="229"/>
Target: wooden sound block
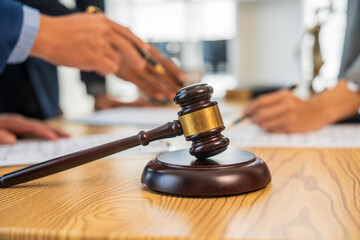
<point x="231" y="172"/>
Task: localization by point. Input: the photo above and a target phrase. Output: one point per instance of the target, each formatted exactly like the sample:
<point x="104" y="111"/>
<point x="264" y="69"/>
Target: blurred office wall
<point x="268" y="32"/>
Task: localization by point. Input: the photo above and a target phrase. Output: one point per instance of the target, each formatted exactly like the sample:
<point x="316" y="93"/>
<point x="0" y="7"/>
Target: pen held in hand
<point x="243" y="117"/>
<point x="158" y="67"/>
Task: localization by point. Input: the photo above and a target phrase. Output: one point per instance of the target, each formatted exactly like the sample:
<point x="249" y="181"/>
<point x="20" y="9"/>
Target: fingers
<point x="166" y="80"/>
<point x="270" y="111"/>
<point x="105" y="66"/>
<point x="7" y="137"/>
<point x="125" y="32"/>
<point x="31" y="126"/>
<point x="61" y="133"/>
<point x="167" y="83"/>
<point x="128" y="44"/>
<point x="274" y="124"/>
<point x="20" y="125"/>
<point x="147" y="88"/>
<point x="129" y="52"/>
<point x="266" y="100"/>
<point x="151" y="76"/>
<point x="175" y="73"/>
<point x="110" y="52"/>
<point x="276" y="112"/>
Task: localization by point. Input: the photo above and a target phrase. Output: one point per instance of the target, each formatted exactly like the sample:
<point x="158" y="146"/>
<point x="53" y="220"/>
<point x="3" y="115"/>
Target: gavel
<point x="199" y="121"/>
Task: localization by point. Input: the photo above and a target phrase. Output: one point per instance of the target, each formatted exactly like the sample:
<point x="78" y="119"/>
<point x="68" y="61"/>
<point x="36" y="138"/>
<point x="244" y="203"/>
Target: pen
<point x="243" y="117"/>
<point x="158" y="67"/>
<point x="292" y="87"/>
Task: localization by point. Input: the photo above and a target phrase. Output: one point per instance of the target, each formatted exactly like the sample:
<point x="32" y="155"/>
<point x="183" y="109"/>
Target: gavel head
<point x="201" y="120"/>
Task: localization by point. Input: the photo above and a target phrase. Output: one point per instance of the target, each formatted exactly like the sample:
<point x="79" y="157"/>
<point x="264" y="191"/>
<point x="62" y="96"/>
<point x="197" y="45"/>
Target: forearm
<point x="337" y="103"/>
<point x="43" y="42"/>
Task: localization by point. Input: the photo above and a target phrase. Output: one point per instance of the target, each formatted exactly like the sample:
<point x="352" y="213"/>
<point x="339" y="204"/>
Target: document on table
<point x="150" y="116"/>
<point x="243" y="135"/>
<point x="34" y="151"/>
<point x="333" y="136"/>
<point x="153" y="116"/>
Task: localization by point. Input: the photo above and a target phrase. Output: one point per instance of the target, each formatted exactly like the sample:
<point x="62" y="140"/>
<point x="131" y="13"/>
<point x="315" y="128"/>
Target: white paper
<point x="243" y="135"/>
<point x="34" y="151"/>
<point x="333" y="136"/>
<point x="131" y="116"/>
<point x="141" y="116"/>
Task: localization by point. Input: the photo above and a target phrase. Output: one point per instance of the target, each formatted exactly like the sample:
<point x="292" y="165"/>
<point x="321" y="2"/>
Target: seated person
<point x="285" y="113"/>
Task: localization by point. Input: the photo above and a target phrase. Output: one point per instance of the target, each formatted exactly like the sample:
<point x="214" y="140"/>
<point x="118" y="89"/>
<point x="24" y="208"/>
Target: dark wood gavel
<point x="199" y="120"/>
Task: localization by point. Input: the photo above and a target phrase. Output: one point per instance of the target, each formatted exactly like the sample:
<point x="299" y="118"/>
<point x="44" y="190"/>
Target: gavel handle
<point x="59" y="164"/>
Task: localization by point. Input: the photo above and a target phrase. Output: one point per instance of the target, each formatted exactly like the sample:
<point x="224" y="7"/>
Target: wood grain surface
<point x="314" y="194"/>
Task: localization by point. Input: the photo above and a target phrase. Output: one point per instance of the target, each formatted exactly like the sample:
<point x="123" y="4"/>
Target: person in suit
<point x="90" y="42"/>
<point x="283" y="112"/>
<point x="31" y="88"/>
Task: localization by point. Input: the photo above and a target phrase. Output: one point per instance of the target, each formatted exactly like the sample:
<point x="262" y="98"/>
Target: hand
<point x="283" y="112"/>
<point x="159" y="85"/>
<point x="12" y="125"/>
<point x="90" y="42"/>
<point x="104" y="102"/>
<point x="172" y="74"/>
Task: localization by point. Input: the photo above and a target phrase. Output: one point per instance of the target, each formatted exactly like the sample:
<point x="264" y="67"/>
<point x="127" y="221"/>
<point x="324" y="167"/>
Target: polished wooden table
<point x="314" y="194"/>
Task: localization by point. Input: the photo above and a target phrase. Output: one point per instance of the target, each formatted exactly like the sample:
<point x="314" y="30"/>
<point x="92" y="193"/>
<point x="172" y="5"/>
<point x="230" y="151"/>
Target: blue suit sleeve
<point x="28" y="33"/>
<point x="11" y="20"/>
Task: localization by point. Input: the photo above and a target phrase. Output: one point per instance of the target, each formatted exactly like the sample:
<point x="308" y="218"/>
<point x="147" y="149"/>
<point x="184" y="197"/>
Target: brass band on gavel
<point x="201" y="120"/>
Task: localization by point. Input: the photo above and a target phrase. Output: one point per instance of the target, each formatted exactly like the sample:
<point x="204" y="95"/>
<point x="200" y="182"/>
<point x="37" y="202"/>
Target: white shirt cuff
<point x="28" y="33"/>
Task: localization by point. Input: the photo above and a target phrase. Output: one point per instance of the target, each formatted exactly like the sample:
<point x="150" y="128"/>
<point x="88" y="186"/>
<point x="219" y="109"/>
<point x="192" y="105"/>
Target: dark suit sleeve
<point x="55" y="8"/>
<point x="350" y="62"/>
<point x="49" y="7"/>
<point x="11" y="20"/>
<point x="83" y="4"/>
<point x="353" y="72"/>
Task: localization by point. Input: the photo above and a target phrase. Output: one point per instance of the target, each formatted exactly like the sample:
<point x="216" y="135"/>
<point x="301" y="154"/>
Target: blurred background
<point x="230" y="44"/>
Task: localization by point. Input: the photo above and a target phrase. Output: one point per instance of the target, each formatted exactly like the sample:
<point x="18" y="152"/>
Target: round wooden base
<point x="231" y="172"/>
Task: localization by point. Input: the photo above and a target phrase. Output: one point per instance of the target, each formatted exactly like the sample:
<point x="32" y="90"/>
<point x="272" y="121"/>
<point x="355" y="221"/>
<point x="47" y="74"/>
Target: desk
<point x="314" y="194"/>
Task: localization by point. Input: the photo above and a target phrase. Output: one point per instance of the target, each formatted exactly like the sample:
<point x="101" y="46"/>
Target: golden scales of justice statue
<point x="314" y="32"/>
<point x="316" y="53"/>
<point x="208" y="169"/>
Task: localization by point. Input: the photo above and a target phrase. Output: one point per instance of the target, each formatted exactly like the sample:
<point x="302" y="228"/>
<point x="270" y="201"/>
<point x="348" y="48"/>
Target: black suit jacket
<point x="31" y="88"/>
<point x="350" y="62"/>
